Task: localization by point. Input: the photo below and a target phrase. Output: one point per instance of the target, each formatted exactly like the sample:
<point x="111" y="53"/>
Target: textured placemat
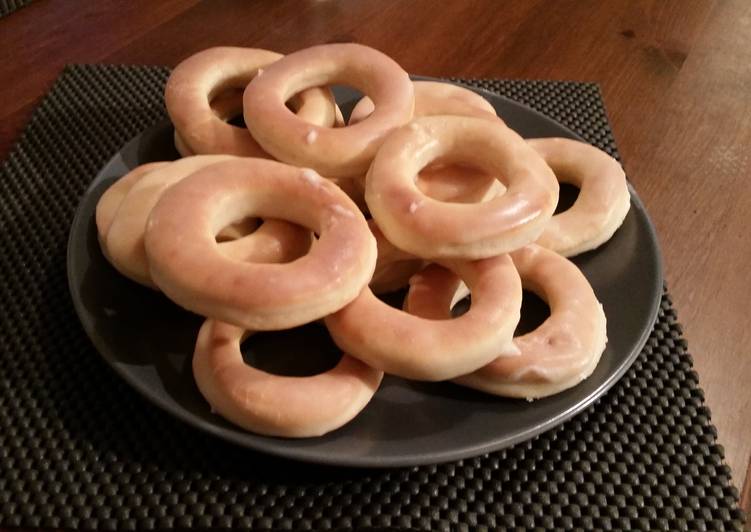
<point x="9" y="6"/>
<point x="80" y="449"/>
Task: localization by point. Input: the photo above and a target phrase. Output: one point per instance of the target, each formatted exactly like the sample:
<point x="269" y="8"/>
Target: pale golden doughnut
<point x="125" y="243"/>
<point x="274" y="405"/>
<point x="416" y="348"/>
<point x="110" y="200"/>
<point x="428" y="228"/>
<point x="195" y="82"/>
<point x="296" y="407"/>
<point x="334" y="152"/>
<point x="603" y="200"/>
<point x="394" y="267"/>
<point x="186" y="264"/>
<point x="559" y="354"/>
<point x="446" y="182"/>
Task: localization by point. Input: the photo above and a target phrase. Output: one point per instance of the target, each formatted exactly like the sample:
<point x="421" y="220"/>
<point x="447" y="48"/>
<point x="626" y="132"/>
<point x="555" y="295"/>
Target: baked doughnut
<point x="111" y="199"/>
<point x="185" y="263"/>
<point x="429" y="228"/>
<point x="339" y="152"/>
<point x="603" y="200"/>
<point x="416" y="348"/>
<point x="559" y="354"/>
<point x="197" y="80"/>
<point x="446" y="182"/>
<point x="394" y="267"/>
<point x="274" y="405"/>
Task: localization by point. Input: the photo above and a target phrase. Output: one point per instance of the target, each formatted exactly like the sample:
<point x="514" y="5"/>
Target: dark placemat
<point x="9" y="6"/>
<point x="80" y="449"/>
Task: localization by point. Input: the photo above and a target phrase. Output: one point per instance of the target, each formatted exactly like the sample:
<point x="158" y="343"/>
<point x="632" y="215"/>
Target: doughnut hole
<point x="534" y="311"/>
<point x="567" y="195"/>
<point x="457" y="183"/>
<point x="300" y="352"/>
<point x="394" y="299"/>
<point x="227" y="104"/>
<point x="238" y="229"/>
<point x="533" y="314"/>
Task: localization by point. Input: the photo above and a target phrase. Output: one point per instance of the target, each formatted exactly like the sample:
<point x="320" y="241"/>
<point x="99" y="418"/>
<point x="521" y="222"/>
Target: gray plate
<point x="149" y="341"/>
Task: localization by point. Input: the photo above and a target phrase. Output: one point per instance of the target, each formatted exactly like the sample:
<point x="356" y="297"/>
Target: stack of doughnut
<point x="296" y="218"/>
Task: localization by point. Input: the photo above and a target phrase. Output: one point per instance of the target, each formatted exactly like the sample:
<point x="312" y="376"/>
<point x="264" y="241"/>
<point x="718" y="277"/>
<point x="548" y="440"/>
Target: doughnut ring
<point x="428" y="228"/>
<point x="559" y="354"/>
<point x="195" y="82"/>
<point x="603" y="200"/>
<point x="185" y="263"/>
<point x="394" y="267"/>
<point x="111" y="199"/>
<point x="451" y="183"/>
<point x="433" y="350"/>
<point x="334" y="152"/>
<point x="274" y="405"/>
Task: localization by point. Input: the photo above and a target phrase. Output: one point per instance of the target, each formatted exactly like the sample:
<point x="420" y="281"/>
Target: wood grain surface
<point x="675" y="77"/>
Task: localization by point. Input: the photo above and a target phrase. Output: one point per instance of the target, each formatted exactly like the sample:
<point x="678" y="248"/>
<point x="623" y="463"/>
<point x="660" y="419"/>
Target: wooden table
<point x="675" y="76"/>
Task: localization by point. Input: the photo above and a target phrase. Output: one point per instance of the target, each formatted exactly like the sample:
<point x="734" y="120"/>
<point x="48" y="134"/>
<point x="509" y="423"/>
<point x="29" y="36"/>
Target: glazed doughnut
<point x="416" y="348"/>
<point x="339" y="152"/>
<point x="603" y="200"/>
<point x="394" y="267"/>
<point x="124" y="244"/>
<point x="428" y="228"/>
<point x="559" y="354"/>
<point x="196" y="81"/>
<point x="274" y="405"/>
<point x="451" y="183"/>
<point x="110" y="200"/>
<point x="185" y="263"/>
